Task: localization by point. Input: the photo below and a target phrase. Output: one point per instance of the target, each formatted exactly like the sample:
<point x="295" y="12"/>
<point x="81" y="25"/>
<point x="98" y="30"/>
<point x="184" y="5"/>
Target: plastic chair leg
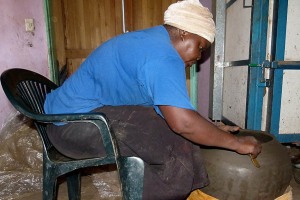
<point x="49" y="188"/>
<point x="132" y="177"/>
<point x="74" y="184"/>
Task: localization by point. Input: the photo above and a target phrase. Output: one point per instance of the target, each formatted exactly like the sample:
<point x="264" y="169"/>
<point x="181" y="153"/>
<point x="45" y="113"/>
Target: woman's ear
<point x="182" y="34"/>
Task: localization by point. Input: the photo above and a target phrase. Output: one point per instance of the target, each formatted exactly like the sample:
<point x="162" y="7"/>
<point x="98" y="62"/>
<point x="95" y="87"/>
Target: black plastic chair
<point x="26" y="90"/>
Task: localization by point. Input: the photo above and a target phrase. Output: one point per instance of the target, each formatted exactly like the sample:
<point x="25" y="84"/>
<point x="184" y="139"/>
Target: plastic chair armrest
<point x="70" y="117"/>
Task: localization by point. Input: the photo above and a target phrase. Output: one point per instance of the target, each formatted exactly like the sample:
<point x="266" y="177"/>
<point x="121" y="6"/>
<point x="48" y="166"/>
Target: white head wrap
<point x="191" y="16"/>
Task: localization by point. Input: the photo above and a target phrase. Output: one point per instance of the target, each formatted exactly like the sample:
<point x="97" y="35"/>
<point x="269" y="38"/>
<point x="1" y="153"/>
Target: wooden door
<point x="82" y="25"/>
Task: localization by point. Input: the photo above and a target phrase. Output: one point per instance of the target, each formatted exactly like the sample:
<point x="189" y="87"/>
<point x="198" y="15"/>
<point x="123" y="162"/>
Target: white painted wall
<point x="237" y="42"/>
<point x="290" y="104"/>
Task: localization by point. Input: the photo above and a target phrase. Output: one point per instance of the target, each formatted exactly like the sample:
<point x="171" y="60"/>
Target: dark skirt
<point x="173" y="165"/>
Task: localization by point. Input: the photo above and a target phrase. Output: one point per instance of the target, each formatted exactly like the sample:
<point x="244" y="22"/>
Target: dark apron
<point x="173" y="165"/>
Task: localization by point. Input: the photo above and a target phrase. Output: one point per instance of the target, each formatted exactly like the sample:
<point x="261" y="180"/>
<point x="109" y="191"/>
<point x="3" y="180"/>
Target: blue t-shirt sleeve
<point x="166" y="83"/>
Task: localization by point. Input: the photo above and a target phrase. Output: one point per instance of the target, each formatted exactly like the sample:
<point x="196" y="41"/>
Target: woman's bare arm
<point x="195" y="128"/>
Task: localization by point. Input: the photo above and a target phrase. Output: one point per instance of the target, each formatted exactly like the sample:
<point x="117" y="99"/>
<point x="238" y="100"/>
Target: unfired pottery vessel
<point x="234" y="177"/>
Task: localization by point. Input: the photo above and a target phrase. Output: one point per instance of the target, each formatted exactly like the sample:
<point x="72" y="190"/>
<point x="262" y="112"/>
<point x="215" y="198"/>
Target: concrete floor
<point x="20" y="166"/>
<point x="90" y="192"/>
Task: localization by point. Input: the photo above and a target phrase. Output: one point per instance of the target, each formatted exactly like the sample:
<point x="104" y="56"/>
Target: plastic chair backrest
<point x="27" y="91"/>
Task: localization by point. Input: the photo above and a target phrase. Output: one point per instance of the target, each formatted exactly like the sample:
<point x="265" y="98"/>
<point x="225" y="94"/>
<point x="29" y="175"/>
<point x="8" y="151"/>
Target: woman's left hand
<point x="228" y="128"/>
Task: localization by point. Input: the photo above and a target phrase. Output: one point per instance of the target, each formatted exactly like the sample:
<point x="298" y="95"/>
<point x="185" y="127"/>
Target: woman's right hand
<point x="248" y="145"/>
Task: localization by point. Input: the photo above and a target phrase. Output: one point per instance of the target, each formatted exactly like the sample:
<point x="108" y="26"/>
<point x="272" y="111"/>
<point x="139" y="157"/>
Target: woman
<point x="138" y="80"/>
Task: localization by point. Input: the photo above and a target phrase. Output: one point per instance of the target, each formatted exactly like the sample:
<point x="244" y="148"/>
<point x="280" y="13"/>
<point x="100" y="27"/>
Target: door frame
<point x="53" y="68"/>
<point x="258" y="55"/>
<point x="279" y="66"/>
<point x="273" y="60"/>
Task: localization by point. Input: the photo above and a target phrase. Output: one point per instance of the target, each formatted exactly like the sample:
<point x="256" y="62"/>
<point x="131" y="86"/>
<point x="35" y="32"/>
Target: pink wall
<point x="204" y="77"/>
<point x="19" y="48"/>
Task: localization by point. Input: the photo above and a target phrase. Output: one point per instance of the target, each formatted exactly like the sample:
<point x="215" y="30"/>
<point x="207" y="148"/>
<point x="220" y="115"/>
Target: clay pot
<point x="233" y="176"/>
